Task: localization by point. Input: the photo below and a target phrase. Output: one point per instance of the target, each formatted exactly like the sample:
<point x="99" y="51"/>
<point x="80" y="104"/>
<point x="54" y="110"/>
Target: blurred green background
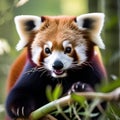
<point x="9" y="36"/>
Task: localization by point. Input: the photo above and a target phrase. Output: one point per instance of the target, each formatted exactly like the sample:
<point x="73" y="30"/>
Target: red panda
<point x="57" y="49"/>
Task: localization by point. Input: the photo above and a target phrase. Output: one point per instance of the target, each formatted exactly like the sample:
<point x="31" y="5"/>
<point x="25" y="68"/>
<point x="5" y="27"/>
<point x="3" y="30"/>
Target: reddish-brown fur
<point x="58" y="29"/>
<point x="55" y="29"/>
<point x="16" y="69"/>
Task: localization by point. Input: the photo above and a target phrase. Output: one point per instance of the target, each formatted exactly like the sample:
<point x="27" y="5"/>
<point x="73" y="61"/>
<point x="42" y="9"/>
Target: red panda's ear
<point x="93" y="22"/>
<point x="26" y="25"/>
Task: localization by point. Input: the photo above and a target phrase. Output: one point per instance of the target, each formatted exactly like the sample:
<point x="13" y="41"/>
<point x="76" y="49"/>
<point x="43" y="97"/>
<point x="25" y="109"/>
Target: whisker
<point x="40" y="68"/>
<point x="88" y="64"/>
<point x="43" y="72"/>
<point x="36" y="68"/>
<point x="31" y="70"/>
<point x="75" y="65"/>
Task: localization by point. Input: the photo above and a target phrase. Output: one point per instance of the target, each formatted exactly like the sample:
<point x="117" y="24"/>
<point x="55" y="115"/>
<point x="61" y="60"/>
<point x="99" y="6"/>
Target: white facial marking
<point x="66" y="44"/>
<point x="36" y="51"/>
<point x="48" y="44"/>
<point x="57" y="55"/>
<point x="81" y="49"/>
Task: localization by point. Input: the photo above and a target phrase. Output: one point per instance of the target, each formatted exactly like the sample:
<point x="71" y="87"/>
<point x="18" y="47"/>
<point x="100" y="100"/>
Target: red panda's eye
<point x="47" y="50"/>
<point x="68" y="50"/>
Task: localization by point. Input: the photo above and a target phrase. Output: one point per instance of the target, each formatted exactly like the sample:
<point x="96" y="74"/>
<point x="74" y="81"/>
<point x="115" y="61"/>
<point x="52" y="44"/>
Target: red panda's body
<point x="59" y="50"/>
<point x="16" y="70"/>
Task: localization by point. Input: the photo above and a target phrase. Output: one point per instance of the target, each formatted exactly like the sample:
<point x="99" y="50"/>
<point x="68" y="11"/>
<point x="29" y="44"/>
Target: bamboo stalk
<point x="64" y="101"/>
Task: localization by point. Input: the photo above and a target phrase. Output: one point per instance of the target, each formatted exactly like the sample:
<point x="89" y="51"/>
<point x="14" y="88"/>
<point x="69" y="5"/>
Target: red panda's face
<point x="59" y="46"/>
<point x="59" y="60"/>
<point x="59" y="43"/>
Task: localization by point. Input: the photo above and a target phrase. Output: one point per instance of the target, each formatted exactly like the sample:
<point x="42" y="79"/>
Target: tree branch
<point x="64" y="101"/>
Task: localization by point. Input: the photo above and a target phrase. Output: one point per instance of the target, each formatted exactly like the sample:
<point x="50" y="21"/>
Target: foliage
<point x="4" y="47"/>
<point x="78" y="105"/>
<point x="55" y="94"/>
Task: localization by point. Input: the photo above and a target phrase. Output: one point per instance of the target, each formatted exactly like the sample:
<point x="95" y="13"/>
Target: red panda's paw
<point x="22" y="110"/>
<point x="80" y="87"/>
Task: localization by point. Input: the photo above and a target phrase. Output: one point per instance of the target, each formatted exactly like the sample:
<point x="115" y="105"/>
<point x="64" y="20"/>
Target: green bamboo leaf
<point x="57" y="92"/>
<point x="77" y="98"/>
<point x="49" y="93"/>
<point x="111" y="86"/>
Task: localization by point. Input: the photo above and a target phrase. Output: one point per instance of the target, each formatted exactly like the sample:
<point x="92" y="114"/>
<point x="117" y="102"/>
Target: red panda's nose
<point x="57" y="65"/>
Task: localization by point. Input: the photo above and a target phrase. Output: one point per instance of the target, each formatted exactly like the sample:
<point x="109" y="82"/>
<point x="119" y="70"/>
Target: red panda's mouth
<point x="58" y="72"/>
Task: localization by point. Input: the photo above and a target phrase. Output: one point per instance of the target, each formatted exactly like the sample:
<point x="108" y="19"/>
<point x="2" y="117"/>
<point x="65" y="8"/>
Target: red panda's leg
<point x="15" y="70"/>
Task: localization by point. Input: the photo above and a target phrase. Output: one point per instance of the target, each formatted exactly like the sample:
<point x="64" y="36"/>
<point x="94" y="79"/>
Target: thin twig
<point x="76" y="115"/>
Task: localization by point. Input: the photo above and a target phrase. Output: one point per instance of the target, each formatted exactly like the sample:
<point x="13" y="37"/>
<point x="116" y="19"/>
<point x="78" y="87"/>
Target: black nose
<point x="57" y="65"/>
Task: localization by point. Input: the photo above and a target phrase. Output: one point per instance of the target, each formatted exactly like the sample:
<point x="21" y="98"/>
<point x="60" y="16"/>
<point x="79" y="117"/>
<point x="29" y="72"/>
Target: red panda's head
<point x="62" y="42"/>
